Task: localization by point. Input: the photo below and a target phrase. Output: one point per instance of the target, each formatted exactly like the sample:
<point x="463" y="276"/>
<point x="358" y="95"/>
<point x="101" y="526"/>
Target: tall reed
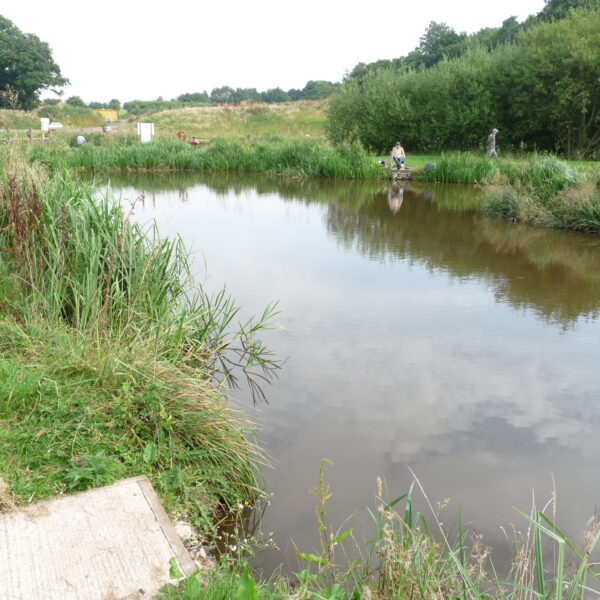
<point x="85" y="262"/>
<point x="311" y="158"/>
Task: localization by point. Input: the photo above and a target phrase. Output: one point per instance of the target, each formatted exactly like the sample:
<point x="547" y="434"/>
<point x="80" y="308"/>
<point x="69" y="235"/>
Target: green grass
<point x="108" y="354"/>
<point x="418" y="161"/>
<point x="71" y="423"/>
<point x="223" y="583"/>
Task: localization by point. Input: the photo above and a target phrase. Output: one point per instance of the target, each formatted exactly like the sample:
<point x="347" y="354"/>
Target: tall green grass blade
<point x="539" y="558"/>
<point x="408" y="507"/>
<point x="247" y="586"/>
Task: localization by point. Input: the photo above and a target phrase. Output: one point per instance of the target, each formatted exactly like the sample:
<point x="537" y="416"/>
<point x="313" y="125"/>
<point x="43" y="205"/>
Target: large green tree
<point x="559" y="9"/>
<point x="438" y="41"/>
<point x="222" y="95"/>
<point x="75" y="101"/>
<point x="26" y="65"/>
<point x="447" y="106"/>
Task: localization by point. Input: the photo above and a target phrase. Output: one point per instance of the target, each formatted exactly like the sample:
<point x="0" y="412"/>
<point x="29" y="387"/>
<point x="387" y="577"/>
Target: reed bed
<point x="109" y="355"/>
<point x="310" y="158"/>
<point x="537" y="171"/>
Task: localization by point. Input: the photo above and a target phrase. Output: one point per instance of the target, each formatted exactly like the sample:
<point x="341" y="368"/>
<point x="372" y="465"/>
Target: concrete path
<point x="111" y="543"/>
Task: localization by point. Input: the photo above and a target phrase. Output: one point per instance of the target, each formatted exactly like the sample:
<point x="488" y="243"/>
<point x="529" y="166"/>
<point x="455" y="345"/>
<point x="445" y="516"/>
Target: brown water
<point x="418" y="332"/>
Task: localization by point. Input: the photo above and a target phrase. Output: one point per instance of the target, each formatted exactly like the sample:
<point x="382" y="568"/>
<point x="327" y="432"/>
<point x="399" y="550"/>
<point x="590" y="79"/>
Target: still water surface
<point x="417" y="331"/>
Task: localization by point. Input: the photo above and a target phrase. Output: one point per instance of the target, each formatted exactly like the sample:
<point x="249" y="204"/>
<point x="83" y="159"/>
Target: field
<point x="18" y="119"/>
<point x="288" y="119"/>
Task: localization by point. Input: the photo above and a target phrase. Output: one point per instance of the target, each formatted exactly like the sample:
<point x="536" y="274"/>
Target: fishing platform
<point x="403" y="174"/>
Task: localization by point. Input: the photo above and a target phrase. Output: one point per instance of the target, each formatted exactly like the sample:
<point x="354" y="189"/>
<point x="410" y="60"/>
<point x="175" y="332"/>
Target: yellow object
<point x="110" y="115"/>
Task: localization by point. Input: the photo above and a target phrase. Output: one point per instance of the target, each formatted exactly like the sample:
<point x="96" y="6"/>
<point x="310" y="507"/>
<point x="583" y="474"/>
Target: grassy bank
<point x="538" y="190"/>
<point x="309" y="158"/>
<point x="108" y="354"/>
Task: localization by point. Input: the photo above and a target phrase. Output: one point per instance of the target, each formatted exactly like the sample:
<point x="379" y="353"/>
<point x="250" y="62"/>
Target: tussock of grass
<point x="309" y="158"/>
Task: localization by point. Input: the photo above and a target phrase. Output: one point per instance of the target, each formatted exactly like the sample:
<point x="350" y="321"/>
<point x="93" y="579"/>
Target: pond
<point x="418" y="333"/>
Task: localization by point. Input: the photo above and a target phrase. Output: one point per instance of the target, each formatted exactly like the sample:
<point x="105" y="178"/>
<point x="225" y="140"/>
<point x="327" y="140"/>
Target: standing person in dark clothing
<point x="490" y="146"/>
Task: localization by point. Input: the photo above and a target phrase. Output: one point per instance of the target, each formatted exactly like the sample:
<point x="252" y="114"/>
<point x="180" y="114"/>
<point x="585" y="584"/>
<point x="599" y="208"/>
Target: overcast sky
<point x="141" y="50"/>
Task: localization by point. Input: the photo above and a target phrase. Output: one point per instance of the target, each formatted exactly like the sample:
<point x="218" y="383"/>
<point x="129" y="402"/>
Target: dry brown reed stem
<point x="6" y="501"/>
<point x="20" y="202"/>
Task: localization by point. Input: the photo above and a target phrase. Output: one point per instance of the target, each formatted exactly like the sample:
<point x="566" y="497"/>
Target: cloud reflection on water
<point x="432" y="336"/>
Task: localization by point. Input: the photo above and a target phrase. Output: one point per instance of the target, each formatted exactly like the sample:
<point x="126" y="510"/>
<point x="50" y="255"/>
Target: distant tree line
<point x="538" y="82"/>
<point x="313" y="90"/>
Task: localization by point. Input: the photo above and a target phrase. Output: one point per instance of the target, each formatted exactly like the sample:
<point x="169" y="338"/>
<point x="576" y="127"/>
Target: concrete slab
<point x="111" y="543"/>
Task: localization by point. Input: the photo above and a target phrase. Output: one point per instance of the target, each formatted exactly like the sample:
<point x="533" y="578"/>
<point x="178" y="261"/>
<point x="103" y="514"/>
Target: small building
<point x="110" y="115"/>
